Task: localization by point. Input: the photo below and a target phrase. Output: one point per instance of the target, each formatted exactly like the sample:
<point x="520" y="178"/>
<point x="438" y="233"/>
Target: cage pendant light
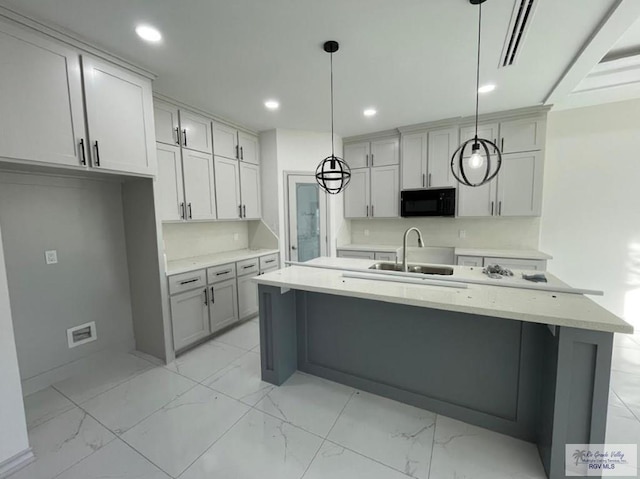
<point x="484" y="153"/>
<point x="332" y="174"/>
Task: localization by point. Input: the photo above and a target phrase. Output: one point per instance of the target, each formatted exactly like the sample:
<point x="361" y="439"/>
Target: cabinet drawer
<point x="249" y="266"/>
<point x="187" y="281"/>
<point x="356" y="254"/>
<point x="269" y="261"/>
<point x="512" y="263"/>
<point x="385" y="256"/>
<point x="221" y="273"/>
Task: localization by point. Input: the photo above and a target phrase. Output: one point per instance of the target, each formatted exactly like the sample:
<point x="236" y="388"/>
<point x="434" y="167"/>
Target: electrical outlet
<point x="462" y="234"/>
<point x="235" y="236"/>
<point x="51" y="256"/>
<point x="366" y="232"/>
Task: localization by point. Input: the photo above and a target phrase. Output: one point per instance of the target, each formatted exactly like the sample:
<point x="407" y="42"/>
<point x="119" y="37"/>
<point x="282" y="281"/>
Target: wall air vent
<point x="85" y="333"/>
<point x="520" y="20"/>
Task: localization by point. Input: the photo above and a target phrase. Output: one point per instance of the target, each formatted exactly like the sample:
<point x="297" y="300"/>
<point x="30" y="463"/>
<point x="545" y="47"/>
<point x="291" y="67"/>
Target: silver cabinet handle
<point x="189" y="281"/>
<point x="184" y="136"/>
<point x="213" y="298"/>
<point x="372" y="215"/>
<point x="190" y="213"/>
<point x="492" y="208"/>
<point x="499" y="208"/>
<point x="206" y="298"/>
<point x="249" y="266"/>
<point x="177" y="130"/>
<point x="367" y="159"/>
<point x="495" y="142"/>
<point x="367" y="211"/>
<point x="182" y="211"/>
<point x="270" y="261"/>
<point x="223" y="272"/>
<point x="242" y="153"/>
<point x="371" y="159"/>
<point x="83" y="160"/>
<point x="237" y="152"/>
<point x="502" y="144"/>
<point x="240" y="208"/>
<point x="244" y="210"/>
<point x="429" y="182"/>
<point x="97" y="162"/>
<point x="423" y="178"/>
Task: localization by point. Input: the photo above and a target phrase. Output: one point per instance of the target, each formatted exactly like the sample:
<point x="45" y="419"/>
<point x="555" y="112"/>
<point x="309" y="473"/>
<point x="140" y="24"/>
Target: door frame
<point x="324" y="245"/>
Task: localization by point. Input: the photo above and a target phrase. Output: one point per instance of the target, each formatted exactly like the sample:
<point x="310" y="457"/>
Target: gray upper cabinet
<point x="42" y="118"/>
<point x="199" y="185"/>
<point x="357" y="154"/>
<point x="517" y="136"/>
<point x="426" y="158"/>
<point x="357" y="197"/>
<point x="381" y="152"/>
<point x="249" y="151"/>
<point x="385" y="194"/>
<point x="170" y="202"/>
<point x="486" y="131"/>
<point x="414" y="161"/>
<point x="195" y="132"/>
<point x="227" y="181"/>
<point x="250" y="191"/>
<point x="228" y="142"/>
<point x="167" y="123"/>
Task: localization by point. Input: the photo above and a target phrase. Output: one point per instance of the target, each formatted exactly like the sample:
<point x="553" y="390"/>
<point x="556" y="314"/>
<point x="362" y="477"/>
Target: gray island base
<point x="546" y="385"/>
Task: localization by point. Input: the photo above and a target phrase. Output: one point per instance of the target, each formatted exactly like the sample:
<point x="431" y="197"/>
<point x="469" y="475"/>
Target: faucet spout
<point x="404" y="246"/>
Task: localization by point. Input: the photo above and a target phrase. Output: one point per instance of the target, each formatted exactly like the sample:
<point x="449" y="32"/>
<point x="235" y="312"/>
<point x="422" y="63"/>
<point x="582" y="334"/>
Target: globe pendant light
<point x="333" y="174"/>
<point x="481" y="148"/>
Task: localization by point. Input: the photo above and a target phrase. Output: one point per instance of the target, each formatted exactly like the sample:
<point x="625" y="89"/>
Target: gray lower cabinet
<point x="247" y="297"/>
<point x="190" y="317"/>
<point x="223" y="306"/>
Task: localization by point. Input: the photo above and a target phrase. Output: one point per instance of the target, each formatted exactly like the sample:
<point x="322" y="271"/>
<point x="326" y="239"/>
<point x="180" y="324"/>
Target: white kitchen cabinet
<point x="190" y="317"/>
<point x="519" y="188"/>
<point x="199" y="185"/>
<point x="119" y="109"/>
<point x="522" y="135"/>
<point x="516" y="263"/>
<point x="250" y="190"/>
<point x="227" y="186"/>
<point x="167" y="123"/>
<point x="357" y="154"/>
<point x="225" y="141"/>
<point x="478" y="201"/>
<point x="223" y="304"/>
<point x="414" y="161"/>
<point x="486" y="131"/>
<point x="247" y="297"/>
<point x="357" y="195"/>
<point x="42" y="117"/>
<point x="248" y="145"/>
<point x="170" y="201"/>
<point x="380" y="256"/>
<point x="442" y="143"/>
<point x="385" y="152"/>
<point x="474" y="261"/>
<point x="385" y="194"/>
<point x="344" y="253"/>
<point x="195" y="132"/>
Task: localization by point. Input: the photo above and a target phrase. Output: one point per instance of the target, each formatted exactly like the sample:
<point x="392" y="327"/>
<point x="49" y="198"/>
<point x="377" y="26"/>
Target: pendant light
<point x="481" y="148"/>
<point x="333" y="174"/>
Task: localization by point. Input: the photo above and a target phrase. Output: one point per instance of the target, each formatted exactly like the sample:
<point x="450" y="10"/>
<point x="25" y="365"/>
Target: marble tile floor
<point x="208" y="415"/>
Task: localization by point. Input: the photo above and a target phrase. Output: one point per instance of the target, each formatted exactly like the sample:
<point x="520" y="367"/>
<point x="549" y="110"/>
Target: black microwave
<point x="431" y="202"/>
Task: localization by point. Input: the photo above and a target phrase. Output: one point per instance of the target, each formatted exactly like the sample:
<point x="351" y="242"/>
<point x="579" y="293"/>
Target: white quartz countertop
<point x="560" y="309"/>
<point x="503" y="253"/>
<point x="207" y="261"/>
<point x="378" y="248"/>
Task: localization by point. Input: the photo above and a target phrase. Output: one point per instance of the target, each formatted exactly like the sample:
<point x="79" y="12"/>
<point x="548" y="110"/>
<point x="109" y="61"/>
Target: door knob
<point x="293" y="247"/>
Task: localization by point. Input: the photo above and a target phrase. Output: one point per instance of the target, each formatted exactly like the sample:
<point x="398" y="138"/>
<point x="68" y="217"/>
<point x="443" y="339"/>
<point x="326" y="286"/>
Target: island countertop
<point x="553" y="308"/>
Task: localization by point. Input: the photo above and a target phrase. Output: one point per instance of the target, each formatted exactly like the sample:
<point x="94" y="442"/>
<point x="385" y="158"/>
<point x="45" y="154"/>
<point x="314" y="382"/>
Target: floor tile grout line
<point x="341" y="411"/>
<point x="313" y="459"/>
<point x="624" y="403"/>
<point x="433" y="444"/>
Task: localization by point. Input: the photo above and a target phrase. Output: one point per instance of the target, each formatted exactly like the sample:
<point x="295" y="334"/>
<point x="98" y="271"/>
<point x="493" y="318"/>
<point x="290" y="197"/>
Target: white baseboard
<point x="15" y="463"/>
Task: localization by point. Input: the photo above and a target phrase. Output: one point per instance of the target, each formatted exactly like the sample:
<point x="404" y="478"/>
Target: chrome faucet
<point x="404" y="246"/>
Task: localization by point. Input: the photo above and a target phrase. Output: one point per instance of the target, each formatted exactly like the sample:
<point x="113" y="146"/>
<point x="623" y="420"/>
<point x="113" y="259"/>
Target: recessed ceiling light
<point x="370" y="112"/>
<point x="486" y="88"/>
<point x="272" y="104"/>
<point x="148" y="33"/>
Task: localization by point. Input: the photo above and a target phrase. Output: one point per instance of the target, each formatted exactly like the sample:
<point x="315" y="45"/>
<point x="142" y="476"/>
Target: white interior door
<point x="307" y="218"/>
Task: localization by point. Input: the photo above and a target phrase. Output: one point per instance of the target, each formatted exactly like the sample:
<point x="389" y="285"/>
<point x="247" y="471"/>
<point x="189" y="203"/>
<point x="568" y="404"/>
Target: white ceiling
<point x="413" y="60"/>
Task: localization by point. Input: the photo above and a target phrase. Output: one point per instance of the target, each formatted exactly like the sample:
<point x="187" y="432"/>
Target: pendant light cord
<point x="477" y="66"/>
<point x="332" y="142"/>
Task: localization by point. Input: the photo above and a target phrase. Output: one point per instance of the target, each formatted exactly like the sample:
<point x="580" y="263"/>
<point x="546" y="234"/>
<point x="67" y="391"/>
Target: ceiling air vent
<point x="518" y="27"/>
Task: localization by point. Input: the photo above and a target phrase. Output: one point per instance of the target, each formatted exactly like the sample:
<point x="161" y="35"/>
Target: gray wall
<point x="82" y="219"/>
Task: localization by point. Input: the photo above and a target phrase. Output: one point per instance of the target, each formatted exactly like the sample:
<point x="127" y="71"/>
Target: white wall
<point x="500" y="233"/>
<point x="591" y="209"/>
<point x="83" y="220"/>
<point x="189" y="239"/>
<point x="298" y="151"/>
<point x="13" y="426"/>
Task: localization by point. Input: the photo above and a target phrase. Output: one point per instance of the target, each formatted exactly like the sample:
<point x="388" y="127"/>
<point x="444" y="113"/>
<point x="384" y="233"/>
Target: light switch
<point x="462" y="234"/>
<point x="51" y="256"/>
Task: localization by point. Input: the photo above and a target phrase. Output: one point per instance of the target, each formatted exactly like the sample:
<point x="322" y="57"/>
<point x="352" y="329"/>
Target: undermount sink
<point x="414" y="268"/>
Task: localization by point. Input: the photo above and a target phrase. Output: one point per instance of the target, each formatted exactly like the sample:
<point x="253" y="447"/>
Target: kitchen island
<point x="530" y="364"/>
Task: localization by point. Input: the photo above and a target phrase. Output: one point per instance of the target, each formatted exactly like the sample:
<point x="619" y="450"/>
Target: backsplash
<point x="499" y="233"/>
<point x="185" y="240"/>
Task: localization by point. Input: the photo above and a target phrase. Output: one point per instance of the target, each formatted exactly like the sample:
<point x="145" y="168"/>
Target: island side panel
<point x="575" y="396"/>
<point x="278" y="336"/>
<point x="478" y="369"/>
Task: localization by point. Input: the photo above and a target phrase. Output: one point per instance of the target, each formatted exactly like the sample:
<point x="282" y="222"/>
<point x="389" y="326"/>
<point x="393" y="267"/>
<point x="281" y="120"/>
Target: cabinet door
<point x="189" y="317"/>
<point x="223" y="304"/>
<point x="522" y="135"/>
<point x="225" y="141"/>
<point x="386" y="257"/>
<point x="478" y="201"/>
<point x="357" y="154"/>
<point x="199" y="185"/>
<point x="520" y="185"/>
<point x="343" y="253"/>
<point x="247" y="297"/>
<point x="120" y="118"/>
<point x="385" y="152"/>
<point x="475" y="261"/>
<point x="250" y="191"/>
<point x="249" y="151"/>
<point x="227" y="188"/>
<point x="414" y="161"/>
<point x="385" y="192"/>
<point x="442" y="144"/>
<point x="196" y="132"/>
<point x="41" y="115"/>
<point x="486" y="131"/>
<point x="169" y="180"/>
<point x="167" y="123"/>
<point x="357" y="195"/>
